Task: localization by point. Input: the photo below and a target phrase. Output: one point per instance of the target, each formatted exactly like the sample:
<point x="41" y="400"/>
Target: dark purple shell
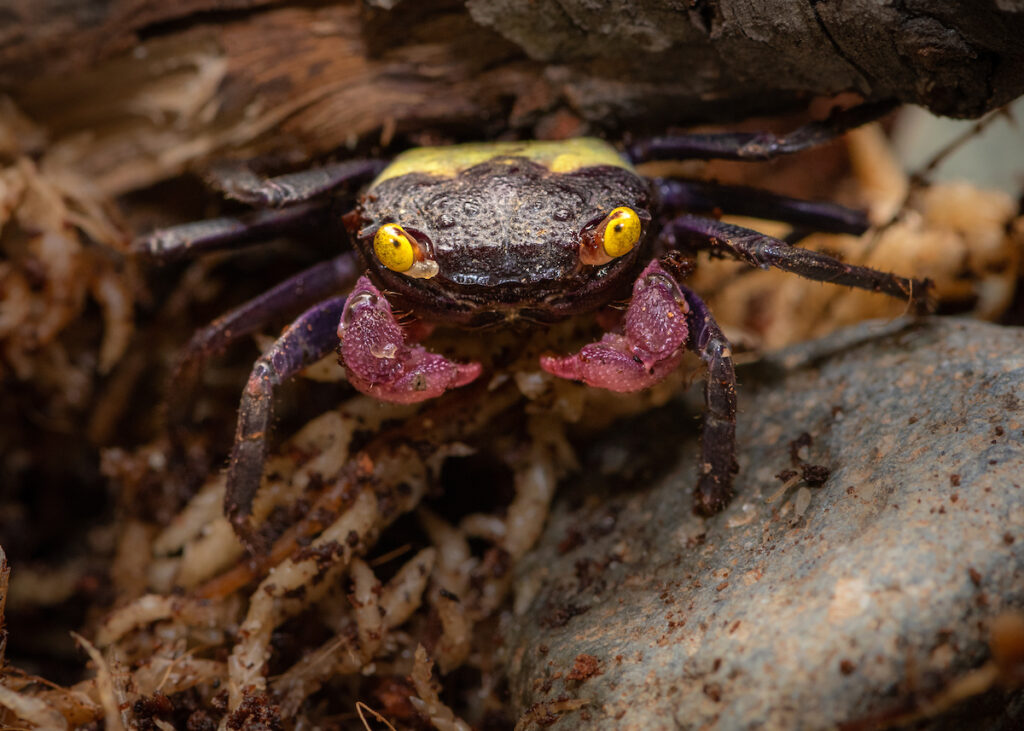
<point x="506" y="235"/>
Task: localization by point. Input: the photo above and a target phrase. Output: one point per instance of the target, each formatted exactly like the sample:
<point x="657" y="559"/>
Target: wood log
<point x="157" y="88"/>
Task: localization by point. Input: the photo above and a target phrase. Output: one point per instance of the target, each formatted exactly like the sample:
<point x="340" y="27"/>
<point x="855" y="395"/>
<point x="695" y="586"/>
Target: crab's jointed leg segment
<point x="756" y="145"/>
<point x="236" y="180"/>
<point x="228" y="232"/>
<point x="379" y="360"/>
<point x="763" y="251"/>
<point x="649" y="347"/>
<point x="289" y="297"/>
<point x="307" y="340"/>
<point x="718" y="436"/>
<point x="699" y="196"/>
<point x="293" y="194"/>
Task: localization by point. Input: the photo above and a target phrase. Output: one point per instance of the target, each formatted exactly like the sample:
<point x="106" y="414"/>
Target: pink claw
<point x="381" y="364"/>
<point x="648" y="349"/>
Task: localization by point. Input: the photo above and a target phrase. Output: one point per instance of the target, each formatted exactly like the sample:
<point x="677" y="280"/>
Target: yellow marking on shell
<point x="621" y="232"/>
<point x="563" y="156"/>
<point x="393" y="248"/>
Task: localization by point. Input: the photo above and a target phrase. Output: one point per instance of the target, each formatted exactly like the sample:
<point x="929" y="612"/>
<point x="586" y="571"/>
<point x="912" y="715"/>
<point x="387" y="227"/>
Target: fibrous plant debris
<point x="200" y="619"/>
<point x="379" y="590"/>
<point x="61" y="248"/>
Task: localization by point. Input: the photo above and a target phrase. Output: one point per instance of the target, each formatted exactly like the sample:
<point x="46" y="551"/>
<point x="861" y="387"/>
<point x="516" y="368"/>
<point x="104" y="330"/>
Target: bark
<point x="160" y="86"/>
<point x="956" y="57"/>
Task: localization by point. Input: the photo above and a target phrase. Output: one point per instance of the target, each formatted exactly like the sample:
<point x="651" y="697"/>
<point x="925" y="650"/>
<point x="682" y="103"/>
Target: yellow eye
<point x="621" y="231"/>
<point x="394" y="248"/>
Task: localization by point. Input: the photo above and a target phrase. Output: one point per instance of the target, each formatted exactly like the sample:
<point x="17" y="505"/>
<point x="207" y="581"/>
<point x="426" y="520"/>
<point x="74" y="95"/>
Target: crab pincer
<point x="648" y="348"/>
<point x="379" y="361"/>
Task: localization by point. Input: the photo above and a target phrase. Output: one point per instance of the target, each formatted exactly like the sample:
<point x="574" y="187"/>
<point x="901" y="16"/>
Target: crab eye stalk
<point x="393" y="248"/>
<point x="400" y="252"/>
<point x="615" y="236"/>
<point x="621" y="231"/>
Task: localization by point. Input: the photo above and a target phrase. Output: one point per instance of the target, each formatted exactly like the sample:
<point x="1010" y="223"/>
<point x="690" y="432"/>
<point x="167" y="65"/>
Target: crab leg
<point x="379" y="361"/>
<point x="649" y="347"/>
<point x="294" y="294"/>
<point x="237" y="181"/>
<point x="308" y="339"/>
<point x="229" y="232"/>
<point x="763" y="251"/>
<point x="756" y="145"/>
<point x="718" y="436"/>
<point x="702" y="196"/>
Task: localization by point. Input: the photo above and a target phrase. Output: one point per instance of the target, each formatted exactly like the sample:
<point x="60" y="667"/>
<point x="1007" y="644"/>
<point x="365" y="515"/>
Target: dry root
<point x="427" y="701"/>
<point x="195" y="616"/>
<point x="61" y="245"/>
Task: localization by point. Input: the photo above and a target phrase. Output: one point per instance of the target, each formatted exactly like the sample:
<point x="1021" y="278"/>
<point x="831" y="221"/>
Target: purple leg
<point x="378" y="359"/>
<point x="701" y="196"/>
<point x="764" y="251"/>
<point x="237" y="181"/>
<point x="290" y="296"/>
<point x="756" y="145"/>
<point x="649" y="347"/>
<point x="718" y="436"/>
<point x="230" y="232"/>
<point x="308" y="339"/>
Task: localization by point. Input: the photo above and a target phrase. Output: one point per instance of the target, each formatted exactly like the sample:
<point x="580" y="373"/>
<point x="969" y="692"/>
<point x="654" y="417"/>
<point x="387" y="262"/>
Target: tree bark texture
<point x="159" y="87"/>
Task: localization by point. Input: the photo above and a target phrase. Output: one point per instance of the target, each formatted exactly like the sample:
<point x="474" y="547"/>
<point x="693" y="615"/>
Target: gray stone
<point x="827" y="605"/>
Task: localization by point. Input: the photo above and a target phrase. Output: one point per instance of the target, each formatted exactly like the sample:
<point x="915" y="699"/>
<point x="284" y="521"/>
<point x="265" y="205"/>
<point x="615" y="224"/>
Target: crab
<point x="486" y="235"/>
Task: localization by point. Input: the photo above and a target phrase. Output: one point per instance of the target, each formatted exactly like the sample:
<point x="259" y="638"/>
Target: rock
<point x="839" y="604"/>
